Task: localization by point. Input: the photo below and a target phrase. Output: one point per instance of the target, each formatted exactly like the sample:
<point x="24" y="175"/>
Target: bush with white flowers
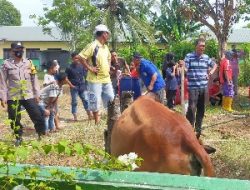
<point x="129" y="160"/>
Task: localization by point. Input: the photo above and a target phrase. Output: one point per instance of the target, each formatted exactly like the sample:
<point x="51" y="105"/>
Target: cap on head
<point x="101" y="28"/>
<point x="16" y="45"/>
<point x="137" y="55"/>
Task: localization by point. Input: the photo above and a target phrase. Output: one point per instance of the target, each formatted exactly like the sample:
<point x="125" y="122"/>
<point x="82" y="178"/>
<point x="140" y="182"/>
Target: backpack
<point x="94" y="56"/>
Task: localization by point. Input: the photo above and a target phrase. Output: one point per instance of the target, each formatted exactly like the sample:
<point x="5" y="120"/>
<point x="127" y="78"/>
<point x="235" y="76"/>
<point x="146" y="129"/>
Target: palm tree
<point x="127" y="20"/>
<point x="171" y="24"/>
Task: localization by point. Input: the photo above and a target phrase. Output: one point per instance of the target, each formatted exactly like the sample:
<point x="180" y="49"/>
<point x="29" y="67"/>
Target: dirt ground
<point x="229" y="133"/>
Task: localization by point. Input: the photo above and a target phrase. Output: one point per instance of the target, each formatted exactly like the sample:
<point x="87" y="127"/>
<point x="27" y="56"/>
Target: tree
<point x="172" y="24"/>
<point x="219" y="16"/>
<point x="247" y="26"/>
<point x="9" y="15"/>
<point x="128" y="19"/>
<point x="74" y="18"/>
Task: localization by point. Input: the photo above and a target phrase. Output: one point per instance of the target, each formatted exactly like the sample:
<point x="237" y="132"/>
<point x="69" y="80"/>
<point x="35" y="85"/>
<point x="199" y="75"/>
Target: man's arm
<point x="213" y="69"/>
<point x="3" y="86"/>
<point x="34" y="82"/>
<point x="152" y="82"/>
<point x="87" y="66"/>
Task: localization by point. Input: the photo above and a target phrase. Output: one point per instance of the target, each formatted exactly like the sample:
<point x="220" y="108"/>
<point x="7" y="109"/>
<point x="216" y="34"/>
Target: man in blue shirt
<point x="76" y="74"/>
<point x="151" y="76"/>
<point x="198" y="68"/>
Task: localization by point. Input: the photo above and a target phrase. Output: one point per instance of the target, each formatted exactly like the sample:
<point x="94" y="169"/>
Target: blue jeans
<point x="48" y="120"/>
<point x="98" y="92"/>
<point x="74" y="94"/>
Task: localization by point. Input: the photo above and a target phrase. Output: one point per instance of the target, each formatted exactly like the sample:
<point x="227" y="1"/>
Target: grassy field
<point x="229" y="133"/>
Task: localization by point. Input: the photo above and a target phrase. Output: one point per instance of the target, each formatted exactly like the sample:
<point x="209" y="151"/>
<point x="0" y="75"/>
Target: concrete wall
<point x="41" y="45"/>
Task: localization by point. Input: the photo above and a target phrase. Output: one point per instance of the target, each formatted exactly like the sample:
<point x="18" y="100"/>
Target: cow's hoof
<point x="209" y="149"/>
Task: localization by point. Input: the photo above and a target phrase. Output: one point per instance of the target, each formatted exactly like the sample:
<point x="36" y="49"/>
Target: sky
<point x="30" y="7"/>
<point x="27" y="8"/>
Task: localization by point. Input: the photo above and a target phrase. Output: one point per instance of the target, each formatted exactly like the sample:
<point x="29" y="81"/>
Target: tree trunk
<point x="222" y="45"/>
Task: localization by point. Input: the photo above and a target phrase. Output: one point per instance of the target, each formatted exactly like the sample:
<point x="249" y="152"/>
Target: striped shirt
<point x="50" y="91"/>
<point x="197" y="70"/>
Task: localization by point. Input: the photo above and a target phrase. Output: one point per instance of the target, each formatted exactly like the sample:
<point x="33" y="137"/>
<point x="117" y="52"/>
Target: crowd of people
<point x="95" y="75"/>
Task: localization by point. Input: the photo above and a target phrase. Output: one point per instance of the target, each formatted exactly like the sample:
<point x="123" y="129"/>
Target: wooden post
<point x="126" y="99"/>
<point x="182" y="91"/>
<point x="113" y="114"/>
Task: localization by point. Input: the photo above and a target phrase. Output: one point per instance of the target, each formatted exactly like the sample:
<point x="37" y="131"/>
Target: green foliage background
<point x="9" y="15"/>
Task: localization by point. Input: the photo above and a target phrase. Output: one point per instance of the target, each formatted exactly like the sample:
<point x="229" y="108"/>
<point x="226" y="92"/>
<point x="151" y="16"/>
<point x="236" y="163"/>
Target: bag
<point x="94" y="56"/>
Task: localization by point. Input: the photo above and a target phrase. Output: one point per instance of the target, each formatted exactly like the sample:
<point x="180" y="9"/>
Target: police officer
<point x="18" y="82"/>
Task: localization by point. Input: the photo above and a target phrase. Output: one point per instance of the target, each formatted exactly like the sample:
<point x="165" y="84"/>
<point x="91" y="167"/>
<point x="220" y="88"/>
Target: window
<point x="33" y="53"/>
<point x="6" y="53"/>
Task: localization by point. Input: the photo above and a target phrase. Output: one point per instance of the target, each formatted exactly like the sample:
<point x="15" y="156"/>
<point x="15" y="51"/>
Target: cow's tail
<point x="202" y="156"/>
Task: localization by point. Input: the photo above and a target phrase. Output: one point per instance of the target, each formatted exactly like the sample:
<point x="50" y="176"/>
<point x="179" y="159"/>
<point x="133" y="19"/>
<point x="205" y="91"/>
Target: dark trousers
<point x="34" y="113"/>
<point x="196" y="107"/>
<point x="218" y="99"/>
<point x="171" y="94"/>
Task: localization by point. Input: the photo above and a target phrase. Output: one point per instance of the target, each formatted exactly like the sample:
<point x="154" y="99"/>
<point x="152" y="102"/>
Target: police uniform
<point x="18" y="81"/>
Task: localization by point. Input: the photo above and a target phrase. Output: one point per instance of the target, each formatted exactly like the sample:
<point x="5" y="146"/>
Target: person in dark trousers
<point x="76" y="74"/>
<point x="18" y="73"/>
<point x="169" y="71"/>
<point x="198" y="67"/>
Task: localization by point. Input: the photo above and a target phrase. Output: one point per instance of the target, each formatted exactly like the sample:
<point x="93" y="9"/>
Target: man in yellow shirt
<point x="96" y="58"/>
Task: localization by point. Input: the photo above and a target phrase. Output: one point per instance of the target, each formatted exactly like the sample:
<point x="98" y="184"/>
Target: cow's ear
<point x="209" y="149"/>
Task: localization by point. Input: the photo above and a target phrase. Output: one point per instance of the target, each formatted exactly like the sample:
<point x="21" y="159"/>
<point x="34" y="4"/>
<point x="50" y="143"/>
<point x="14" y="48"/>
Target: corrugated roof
<point x="28" y="33"/>
<point x="237" y="36"/>
<point x="240" y="36"/>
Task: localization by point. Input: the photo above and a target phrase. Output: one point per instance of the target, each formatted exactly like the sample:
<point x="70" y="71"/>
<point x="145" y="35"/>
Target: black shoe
<point x="40" y="134"/>
<point x="18" y="141"/>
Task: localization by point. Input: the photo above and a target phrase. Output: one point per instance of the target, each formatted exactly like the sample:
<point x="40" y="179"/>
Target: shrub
<point x="244" y="76"/>
<point x="152" y="53"/>
<point x="181" y="49"/>
<point x="211" y="48"/>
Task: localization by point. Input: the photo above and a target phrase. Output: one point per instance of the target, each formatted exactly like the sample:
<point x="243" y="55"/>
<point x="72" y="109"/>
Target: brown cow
<point x="163" y="138"/>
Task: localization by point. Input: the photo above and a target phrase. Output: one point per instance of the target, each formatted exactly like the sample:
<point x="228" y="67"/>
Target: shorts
<point x="98" y="92"/>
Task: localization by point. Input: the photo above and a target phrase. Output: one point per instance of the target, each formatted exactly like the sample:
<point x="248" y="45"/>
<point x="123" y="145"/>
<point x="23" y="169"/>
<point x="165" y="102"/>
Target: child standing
<point x="226" y="81"/>
<point x="49" y="77"/>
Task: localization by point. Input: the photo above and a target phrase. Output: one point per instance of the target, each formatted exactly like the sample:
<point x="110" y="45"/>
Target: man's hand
<point x="46" y="112"/>
<point x="150" y="87"/>
<point x="94" y="70"/>
<point x="181" y="63"/>
<point x="3" y="103"/>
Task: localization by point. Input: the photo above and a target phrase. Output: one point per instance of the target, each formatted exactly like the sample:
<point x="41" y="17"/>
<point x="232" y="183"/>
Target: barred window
<point x="33" y="53"/>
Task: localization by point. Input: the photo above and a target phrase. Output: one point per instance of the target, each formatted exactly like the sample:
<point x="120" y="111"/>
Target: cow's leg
<point x="201" y="155"/>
